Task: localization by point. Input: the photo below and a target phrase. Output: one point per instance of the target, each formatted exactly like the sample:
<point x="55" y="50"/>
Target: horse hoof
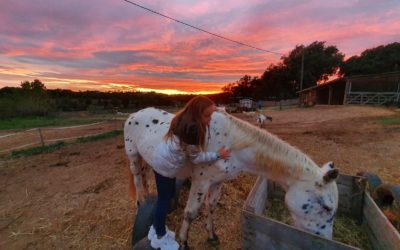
<point x="213" y="241"/>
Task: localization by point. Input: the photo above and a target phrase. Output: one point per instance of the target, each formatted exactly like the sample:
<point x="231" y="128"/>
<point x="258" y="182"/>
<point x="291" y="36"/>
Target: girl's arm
<point x="195" y="154"/>
<point x="199" y="157"/>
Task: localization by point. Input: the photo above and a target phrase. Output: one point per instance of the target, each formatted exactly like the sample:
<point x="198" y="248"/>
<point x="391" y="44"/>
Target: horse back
<point x="145" y="128"/>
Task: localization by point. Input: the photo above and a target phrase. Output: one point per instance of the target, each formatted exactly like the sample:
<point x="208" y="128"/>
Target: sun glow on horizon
<point x="129" y="87"/>
<point x="147" y="54"/>
<point x="176" y="92"/>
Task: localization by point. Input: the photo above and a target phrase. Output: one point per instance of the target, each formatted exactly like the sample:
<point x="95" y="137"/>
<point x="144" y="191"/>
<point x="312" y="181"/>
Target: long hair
<point x="191" y="113"/>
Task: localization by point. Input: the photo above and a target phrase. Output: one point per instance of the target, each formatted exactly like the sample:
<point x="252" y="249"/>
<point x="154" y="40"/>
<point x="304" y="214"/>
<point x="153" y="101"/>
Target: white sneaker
<point x="152" y="233"/>
<point x="164" y="243"/>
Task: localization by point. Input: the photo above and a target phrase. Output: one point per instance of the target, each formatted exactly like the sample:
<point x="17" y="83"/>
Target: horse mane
<point x="273" y="155"/>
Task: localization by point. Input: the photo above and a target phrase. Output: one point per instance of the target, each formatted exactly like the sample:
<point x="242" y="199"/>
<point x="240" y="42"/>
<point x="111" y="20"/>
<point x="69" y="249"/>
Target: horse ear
<point x="327" y="166"/>
<point x="331" y="175"/>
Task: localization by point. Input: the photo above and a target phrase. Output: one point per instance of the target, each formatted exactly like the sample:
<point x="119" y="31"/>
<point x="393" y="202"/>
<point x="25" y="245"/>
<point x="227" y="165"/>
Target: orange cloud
<point x="116" y="46"/>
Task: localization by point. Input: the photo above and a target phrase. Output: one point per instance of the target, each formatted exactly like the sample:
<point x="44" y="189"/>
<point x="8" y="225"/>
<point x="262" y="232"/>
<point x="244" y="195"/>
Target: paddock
<point x="58" y="199"/>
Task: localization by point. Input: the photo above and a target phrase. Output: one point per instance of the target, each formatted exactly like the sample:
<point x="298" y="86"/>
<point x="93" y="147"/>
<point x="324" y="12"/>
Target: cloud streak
<point x="113" y="45"/>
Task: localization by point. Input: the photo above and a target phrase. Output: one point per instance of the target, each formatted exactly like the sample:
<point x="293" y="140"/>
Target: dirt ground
<point x="77" y="197"/>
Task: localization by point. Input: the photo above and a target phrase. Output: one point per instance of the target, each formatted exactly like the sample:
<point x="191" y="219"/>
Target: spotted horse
<point x="311" y="191"/>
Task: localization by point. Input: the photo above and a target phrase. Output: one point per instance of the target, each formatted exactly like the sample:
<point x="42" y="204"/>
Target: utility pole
<point x="302" y="69"/>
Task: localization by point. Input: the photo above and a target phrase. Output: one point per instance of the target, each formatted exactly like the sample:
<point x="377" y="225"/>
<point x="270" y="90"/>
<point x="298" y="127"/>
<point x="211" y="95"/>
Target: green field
<point x="390" y="120"/>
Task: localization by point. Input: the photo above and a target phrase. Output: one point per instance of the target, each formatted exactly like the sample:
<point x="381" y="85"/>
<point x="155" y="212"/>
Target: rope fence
<point x="45" y="136"/>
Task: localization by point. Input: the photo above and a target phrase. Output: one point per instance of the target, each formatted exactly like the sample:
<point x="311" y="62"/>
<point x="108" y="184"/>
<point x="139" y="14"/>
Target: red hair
<point x="191" y="113"/>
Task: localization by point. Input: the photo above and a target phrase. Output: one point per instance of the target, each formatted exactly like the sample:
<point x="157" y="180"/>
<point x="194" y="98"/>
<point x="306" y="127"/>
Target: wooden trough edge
<point x="382" y="229"/>
<point x="382" y="232"/>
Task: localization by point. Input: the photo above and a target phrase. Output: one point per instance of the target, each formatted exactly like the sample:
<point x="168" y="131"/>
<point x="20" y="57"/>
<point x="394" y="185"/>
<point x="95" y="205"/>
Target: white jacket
<point x="169" y="157"/>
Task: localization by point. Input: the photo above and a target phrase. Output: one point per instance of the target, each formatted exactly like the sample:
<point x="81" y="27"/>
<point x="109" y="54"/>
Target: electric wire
<point x="202" y="30"/>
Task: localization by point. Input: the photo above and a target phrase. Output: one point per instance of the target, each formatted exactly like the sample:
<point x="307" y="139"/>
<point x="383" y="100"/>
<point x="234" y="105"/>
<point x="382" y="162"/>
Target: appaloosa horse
<point x="311" y="191"/>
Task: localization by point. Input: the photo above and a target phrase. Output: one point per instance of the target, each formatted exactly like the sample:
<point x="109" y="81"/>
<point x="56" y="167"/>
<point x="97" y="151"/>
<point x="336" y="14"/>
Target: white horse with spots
<point x="311" y="191"/>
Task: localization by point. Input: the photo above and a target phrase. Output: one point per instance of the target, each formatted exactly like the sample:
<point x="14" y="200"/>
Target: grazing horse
<point x="261" y="119"/>
<point x="311" y="191"/>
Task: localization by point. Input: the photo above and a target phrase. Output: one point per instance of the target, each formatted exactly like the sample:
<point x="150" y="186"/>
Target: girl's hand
<point x="224" y="153"/>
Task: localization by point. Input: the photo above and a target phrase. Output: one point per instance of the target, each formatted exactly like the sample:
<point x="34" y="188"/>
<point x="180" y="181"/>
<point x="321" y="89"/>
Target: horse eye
<point x="327" y="208"/>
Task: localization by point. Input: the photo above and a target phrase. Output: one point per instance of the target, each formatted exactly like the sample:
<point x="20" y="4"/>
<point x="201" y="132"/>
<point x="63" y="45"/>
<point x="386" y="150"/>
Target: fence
<point x="288" y="102"/>
<point x="372" y="97"/>
<point x="44" y="136"/>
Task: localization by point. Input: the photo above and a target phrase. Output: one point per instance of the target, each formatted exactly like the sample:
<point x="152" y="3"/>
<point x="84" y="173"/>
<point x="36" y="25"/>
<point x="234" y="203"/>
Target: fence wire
<point x="44" y="136"/>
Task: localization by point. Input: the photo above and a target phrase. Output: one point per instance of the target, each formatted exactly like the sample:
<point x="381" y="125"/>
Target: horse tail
<point x="144" y="173"/>
<point x="137" y="178"/>
<point x="131" y="184"/>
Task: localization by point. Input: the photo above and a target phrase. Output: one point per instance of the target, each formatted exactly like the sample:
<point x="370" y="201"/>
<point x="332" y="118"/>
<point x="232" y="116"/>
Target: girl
<point x="183" y="141"/>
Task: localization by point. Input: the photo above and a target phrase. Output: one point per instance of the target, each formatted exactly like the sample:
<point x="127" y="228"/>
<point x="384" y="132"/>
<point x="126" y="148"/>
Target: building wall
<point x="332" y="94"/>
<point x="308" y="98"/>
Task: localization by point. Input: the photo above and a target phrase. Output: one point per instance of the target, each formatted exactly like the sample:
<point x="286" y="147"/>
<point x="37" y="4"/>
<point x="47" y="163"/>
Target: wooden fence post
<point x="41" y="137"/>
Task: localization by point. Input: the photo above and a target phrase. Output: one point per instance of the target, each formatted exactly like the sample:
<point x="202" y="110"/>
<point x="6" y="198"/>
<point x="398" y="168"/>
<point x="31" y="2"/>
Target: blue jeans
<point x="166" y="191"/>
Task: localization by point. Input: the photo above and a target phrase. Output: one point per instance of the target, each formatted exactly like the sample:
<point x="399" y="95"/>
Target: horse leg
<point x="212" y="199"/>
<point x="197" y="194"/>
<point x="137" y="169"/>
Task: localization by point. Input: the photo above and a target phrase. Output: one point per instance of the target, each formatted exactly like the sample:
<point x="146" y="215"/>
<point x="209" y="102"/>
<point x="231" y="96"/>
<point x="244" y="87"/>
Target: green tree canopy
<point x="320" y="62"/>
<point x="382" y="59"/>
<point x="282" y="80"/>
<point x="277" y="82"/>
<point x="243" y="88"/>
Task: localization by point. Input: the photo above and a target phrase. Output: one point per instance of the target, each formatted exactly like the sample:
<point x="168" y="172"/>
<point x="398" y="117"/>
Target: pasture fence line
<point x="44" y="136"/>
<point x="8" y="135"/>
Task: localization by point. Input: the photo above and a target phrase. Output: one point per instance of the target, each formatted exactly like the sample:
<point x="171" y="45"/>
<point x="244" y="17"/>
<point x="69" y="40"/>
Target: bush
<point x="26" y="103"/>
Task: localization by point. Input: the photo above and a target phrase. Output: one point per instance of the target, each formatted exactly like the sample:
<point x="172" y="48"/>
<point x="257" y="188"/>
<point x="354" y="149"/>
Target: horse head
<point x="314" y="204"/>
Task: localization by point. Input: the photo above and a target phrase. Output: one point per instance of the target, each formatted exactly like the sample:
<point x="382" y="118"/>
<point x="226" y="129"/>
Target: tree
<point x="36" y="85"/>
<point x="30" y="99"/>
<point x="381" y="59"/>
<point x="229" y="88"/>
<point x="282" y="80"/>
<point x="245" y="87"/>
<point x="320" y="62"/>
<point x="277" y="83"/>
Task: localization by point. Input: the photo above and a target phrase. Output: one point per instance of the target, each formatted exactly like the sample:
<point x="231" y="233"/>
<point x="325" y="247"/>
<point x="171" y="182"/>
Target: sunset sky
<point x="111" y="45"/>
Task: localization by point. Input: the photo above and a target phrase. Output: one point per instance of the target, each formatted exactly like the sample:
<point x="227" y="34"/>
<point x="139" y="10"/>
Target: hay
<point x="345" y="229"/>
<point x="277" y="210"/>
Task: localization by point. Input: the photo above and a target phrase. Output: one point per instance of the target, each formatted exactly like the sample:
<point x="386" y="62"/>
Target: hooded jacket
<point x="169" y="156"/>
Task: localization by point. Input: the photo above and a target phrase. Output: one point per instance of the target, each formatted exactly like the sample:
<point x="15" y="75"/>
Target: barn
<point x="374" y="89"/>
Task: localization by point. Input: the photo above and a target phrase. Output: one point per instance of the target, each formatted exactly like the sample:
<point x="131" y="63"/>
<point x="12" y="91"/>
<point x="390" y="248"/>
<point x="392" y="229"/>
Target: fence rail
<point x="43" y="136"/>
<point x="371" y="97"/>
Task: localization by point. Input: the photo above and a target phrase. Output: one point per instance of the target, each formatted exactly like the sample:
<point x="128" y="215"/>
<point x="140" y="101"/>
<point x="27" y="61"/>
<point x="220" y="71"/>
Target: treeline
<point x="33" y="98"/>
<point x="304" y="67"/>
<point x="284" y="79"/>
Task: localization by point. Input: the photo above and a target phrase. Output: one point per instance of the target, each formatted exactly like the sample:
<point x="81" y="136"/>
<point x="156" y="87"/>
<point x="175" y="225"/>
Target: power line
<point x="202" y="30"/>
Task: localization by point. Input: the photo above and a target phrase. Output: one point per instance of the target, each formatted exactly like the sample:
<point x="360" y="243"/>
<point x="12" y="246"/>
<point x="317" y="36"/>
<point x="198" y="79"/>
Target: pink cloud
<point x="107" y="43"/>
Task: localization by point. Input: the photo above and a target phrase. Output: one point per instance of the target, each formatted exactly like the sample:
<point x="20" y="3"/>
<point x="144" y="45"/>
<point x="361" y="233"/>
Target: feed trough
<point x="356" y="207"/>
